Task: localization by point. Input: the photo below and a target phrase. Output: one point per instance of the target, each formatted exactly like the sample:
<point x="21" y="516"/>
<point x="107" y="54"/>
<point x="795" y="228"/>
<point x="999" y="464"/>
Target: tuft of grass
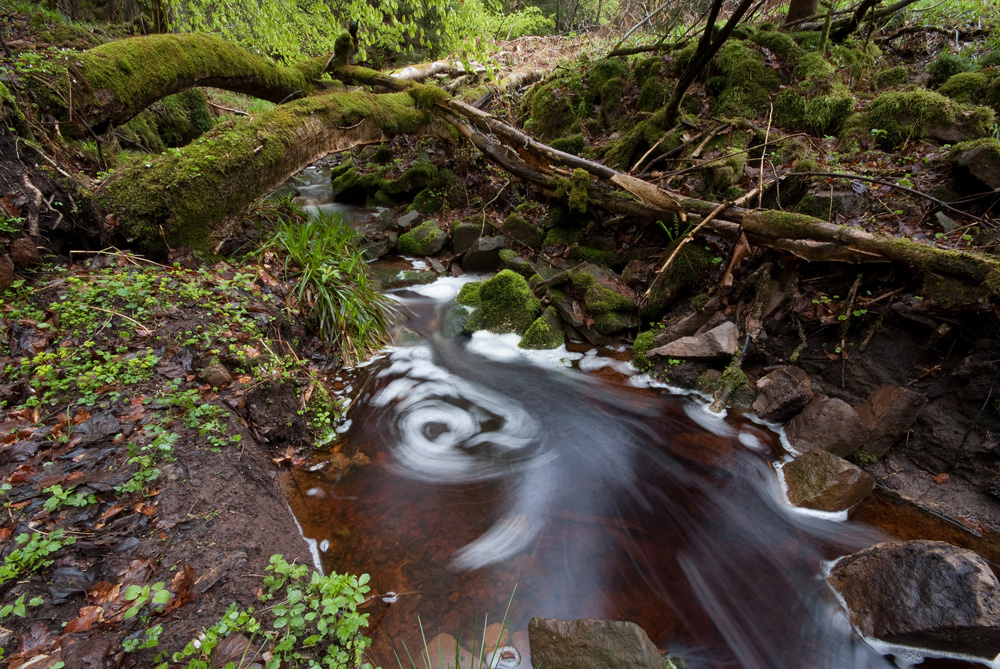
<point x="333" y="286"/>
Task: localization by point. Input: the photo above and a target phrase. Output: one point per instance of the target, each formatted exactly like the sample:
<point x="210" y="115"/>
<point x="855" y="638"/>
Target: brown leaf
<point x="181" y="585"/>
<point x="35" y="641"/>
<point x="942" y="478"/>
<point x="103" y="591"/>
<point x="21" y="474"/>
<point x="89" y="616"/>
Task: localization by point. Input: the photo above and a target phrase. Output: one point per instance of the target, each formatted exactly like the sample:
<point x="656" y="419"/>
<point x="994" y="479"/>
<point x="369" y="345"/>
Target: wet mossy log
<point x="109" y="84"/>
<point x="191" y="196"/>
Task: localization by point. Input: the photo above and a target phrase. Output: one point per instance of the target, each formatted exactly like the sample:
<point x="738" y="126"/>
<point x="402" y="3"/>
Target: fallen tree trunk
<point x="193" y="196"/>
<point x="108" y="85"/>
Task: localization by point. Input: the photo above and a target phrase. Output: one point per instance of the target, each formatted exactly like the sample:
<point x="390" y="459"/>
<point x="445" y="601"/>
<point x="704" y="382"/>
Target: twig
<point x="139" y="325"/>
<point x="763" y="154"/>
<point x="238" y="112"/>
<point x="883" y="182"/>
<point x="687" y="238"/>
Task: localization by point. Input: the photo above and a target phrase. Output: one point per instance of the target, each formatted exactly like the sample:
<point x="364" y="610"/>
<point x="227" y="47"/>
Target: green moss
<point x="813" y="69"/>
<point x="412" y="181"/>
<point x="808" y="39"/>
<point x="605" y="71"/>
<point x="557" y="105"/>
<point x="522" y="230"/>
<point x="425" y="239"/>
<point x="507" y="303"/>
<point x="652" y="95"/>
<point x="142" y="129"/>
<point x="647" y="68"/>
<point x="350" y="185"/>
<point x="894" y="76"/>
<point x="383" y="154"/>
<point x="949" y="292"/>
<point x="790" y="109"/>
<point x="946" y="66"/>
<point x="901" y="115"/>
<point x="468" y="294"/>
<point x="562" y="237"/>
<point x="777" y="42"/>
<point x="644" y="342"/>
<point x="343" y="49"/>
<point x="598" y="298"/>
<point x="989" y="59"/>
<point x="687" y="270"/>
<point x="603" y="257"/>
<point x="10" y="115"/>
<point x="826" y="114"/>
<point x="611" y="322"/>
<point x="545" y="332"/>
<point x="683" y="59"/>
<point x="426" y="95"/>
<point x="967" y="87"/>
<point x="574" y="189"/>
<point x="573" y="144"/>
<point x="745" y="82"/>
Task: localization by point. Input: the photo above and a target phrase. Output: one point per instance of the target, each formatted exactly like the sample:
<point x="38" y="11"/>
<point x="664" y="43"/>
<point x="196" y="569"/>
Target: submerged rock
<point x="830" y="424"/>
<point x="928" y="594"/>
<point x="822" y="481"/>
<point x="782" y="394"/>
<point x="592" y="644"/>
<point x="888" y="413"/>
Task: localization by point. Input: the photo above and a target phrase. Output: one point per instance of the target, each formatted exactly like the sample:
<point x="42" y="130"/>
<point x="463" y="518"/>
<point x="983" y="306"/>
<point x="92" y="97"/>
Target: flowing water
<point x="594" y="497"/>
<point x="567" y="484"/>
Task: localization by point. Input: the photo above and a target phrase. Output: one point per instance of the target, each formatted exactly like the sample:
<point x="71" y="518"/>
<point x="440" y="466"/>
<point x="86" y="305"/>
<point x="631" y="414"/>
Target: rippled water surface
<point x="592" y="496"/>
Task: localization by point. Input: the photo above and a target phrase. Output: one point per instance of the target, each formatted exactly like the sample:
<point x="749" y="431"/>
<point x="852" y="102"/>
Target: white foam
<point x="779" y="468"/>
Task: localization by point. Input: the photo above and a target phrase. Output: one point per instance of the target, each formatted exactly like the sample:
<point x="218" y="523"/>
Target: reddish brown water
<point x="584" y="496"/>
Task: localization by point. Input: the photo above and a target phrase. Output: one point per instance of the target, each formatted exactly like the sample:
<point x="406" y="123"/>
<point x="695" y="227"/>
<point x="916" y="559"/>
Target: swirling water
<point x="594" y="497"/>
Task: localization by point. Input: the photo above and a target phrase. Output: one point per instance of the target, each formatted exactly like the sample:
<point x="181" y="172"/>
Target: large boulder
<point x="927" y="594"/>
<point x="424" y="240"/>
<point x="827" y="423"/>
<point x="720" y="342"/>
<point x="981" y="159"/>
<point x="592" y="644"/>
<point x="823" y="481"/>
<point x="782" y="393"/>
<point x="503" y="303"/>
<point x="888" y="414"/>
<point x="594" y="301"/>
<point x="484" y="254"/>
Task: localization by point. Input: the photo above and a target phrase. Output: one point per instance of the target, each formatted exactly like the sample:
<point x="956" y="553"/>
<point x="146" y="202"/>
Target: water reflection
<point x="597" y="499"/>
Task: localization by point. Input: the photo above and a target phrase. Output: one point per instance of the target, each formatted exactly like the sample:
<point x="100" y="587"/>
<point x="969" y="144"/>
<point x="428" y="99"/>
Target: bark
<point x="424" y="71"/>
<point x="108" y="85"/>
<point x="193" y="197"/>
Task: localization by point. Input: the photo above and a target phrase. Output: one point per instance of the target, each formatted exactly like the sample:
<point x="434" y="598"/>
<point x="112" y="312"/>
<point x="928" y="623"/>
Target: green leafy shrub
<point x="32" y="553"/>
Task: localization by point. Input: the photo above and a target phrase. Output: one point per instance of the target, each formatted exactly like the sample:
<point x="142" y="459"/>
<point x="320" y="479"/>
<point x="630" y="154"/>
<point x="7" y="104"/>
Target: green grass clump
<point x="946" y="66"/>
<point x="333" y="284"/>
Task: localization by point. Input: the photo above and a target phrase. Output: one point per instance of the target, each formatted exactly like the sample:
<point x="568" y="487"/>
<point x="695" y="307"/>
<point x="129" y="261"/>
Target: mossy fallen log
<point x="108" y="85"/>
<point x="192" y="196"/>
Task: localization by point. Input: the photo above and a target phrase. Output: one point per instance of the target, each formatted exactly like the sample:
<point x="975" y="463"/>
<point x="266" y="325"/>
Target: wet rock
<point x="411" y="277"/>
<point x="576" y="319"/>
<point x="216" y="375"/>
<point x="463" y="234"/>
<point x="24" y="252"/>
<point x="927" y="594"/>
<point x="377" y="249"/>
<point x="827" y="423"/>
<point x="980" y="159"/>
<point x="782" y="393"/>
<point x="888" y="413"/>
<point x="545" y="332"/>
<point x="424" y="240"/>
<point x="484" y="254"/>
<point x="823" y="481"/>
<point x="407" y="220"/>
<point x="591" y="644"/>
<point x="521" y="229"/>
<point x="512" y="261"/>
<point x="721" y="341"/>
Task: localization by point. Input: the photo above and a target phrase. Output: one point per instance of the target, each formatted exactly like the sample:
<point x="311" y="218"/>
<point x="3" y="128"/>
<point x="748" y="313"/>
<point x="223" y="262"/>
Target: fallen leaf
<point x="89" y="616"/>
<point x="942" y="478"/>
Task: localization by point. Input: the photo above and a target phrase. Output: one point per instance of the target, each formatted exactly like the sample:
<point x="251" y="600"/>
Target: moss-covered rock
<point x="946" y="66"/>
<point x="776" y="42"/>
<point x="891" y="78"/>
<point x="813" y="69"/>
<point x="522" y="230"/>
<point x="412" y="181"/>
<point x="424" y="240"/>
<point x="744" y="85"/>
<point x="546" y="332"/>
<point x="507" y="304"/>
<point x="510" y="260"/>
<point x="981" y="88"/>
<point x="979" y="158"/>
<point x="648" y="68"/>
<point x="348" y="184"/>
<point x="644" y="342"/>
<point x="687" y="270"/>
<point x="557" y="105"/>
<point x="897" y="116"/>
<point x="468" y="294"/>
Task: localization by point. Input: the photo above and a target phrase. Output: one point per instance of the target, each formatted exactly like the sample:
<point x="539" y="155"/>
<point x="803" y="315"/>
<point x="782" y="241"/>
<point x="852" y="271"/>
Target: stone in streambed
<point x="484" y="254"/>
<point x="782" y="393"/>
<point x="822" y="481"/>
<point x="830" y="424"/>
<point x="424" y="240"/>
<point x="927" y="594"/>
<point x="592" y="644"/>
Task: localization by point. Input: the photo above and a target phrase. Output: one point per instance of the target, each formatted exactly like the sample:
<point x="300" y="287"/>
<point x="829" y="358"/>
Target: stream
<point x="565" y="485"/>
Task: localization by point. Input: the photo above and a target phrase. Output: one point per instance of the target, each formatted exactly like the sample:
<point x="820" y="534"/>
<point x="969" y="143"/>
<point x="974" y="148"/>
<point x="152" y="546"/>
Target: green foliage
<point x="59" y="497"/>
<point x="316" y="624"/>
<point x="643" y="343"/>
<point x="333" y="284"/>
<point x="32" y="554"/>
<point x="155" y="595"/>
<point x="19" y="608"/>
<point x="744" y="84"/>
<point x="291" y="30"/>
<point x="946" y="66"/>
<point x="862" y="458"/>
<point x="519" y="23"/>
